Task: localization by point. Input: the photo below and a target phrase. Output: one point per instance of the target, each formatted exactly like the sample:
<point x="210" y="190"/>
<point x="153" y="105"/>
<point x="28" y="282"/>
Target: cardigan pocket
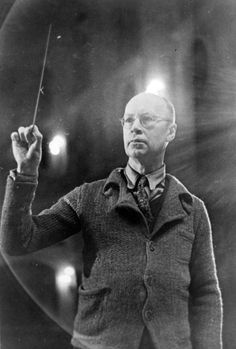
<point x="92" y="306"/>
<point x="184" y="243"/>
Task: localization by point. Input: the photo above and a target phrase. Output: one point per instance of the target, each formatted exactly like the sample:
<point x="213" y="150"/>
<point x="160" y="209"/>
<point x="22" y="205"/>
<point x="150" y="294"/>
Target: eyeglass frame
<point x="155" y="120"/>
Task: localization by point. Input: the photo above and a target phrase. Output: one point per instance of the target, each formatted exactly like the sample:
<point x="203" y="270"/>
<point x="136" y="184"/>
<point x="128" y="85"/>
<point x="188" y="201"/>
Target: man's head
<point x="148" y="126"/>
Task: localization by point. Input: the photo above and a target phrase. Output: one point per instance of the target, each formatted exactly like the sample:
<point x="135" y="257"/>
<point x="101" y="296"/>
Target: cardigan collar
<point x="176" y="205"/>
<point x="154" y="178"/>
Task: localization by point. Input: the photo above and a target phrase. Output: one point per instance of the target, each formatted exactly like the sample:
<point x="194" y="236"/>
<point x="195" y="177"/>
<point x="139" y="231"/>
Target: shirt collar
<point x="154" y="178"/>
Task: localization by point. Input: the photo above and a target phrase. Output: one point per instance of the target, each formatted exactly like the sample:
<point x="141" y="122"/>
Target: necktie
<point x="141" y="197"/>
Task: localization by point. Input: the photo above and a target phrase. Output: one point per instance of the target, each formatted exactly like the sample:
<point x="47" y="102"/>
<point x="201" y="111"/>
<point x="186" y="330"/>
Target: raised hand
<point x="27" y="149"/>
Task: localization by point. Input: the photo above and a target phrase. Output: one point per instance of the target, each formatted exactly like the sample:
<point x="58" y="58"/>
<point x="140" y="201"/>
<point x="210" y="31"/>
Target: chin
<point x="134" y="151"/>
<point x="138" y="153"/>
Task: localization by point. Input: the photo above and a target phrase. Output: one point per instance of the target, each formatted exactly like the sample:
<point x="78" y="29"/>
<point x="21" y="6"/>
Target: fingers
<point x="34" y="129"/>
<point x="37" y="135"/>
<point x="27" y="135"/>
<point x="15" y="137"/>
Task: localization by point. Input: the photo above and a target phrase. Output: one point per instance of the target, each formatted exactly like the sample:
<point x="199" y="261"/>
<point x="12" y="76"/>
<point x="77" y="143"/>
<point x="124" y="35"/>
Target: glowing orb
<point x="65" y="277"/>
<point x="57" y="145"/>
<point x="155" y="86"/>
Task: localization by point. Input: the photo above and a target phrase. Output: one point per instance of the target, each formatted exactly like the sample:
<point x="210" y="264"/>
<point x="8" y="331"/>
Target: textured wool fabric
<point x="164" y="279"/>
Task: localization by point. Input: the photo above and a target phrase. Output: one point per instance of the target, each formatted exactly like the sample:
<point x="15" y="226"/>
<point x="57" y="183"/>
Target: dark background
<point x="100" y="54"/>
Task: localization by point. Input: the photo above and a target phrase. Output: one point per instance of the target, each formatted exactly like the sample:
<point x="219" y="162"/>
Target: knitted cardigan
<point x="164" y="279"/>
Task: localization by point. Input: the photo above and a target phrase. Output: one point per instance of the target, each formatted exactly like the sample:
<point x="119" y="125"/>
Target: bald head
<point x="157" y="104"/>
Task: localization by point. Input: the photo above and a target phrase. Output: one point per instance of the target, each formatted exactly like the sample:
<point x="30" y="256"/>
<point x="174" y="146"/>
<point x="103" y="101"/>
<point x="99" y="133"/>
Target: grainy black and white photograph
<point x="117" y="174"/>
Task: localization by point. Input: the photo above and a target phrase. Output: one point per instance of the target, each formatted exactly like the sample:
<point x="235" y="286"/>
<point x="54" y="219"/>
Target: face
<point x="145" y="139"/>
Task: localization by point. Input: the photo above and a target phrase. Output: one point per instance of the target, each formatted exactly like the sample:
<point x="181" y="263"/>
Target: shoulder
<point x="86" y="188"/>
<point x="94" y="190"/>
<point x="179" y="189"/>
<point x="191" y="203"/>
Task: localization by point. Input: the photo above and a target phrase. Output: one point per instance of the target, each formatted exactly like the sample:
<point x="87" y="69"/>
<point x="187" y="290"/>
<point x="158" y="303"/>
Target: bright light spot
<point x="58" y="36"/>
<point x="65" y="278"/>
<point x="70" y="271"/>
<point x="155" y="86"/>
<point x="57" y="145"/>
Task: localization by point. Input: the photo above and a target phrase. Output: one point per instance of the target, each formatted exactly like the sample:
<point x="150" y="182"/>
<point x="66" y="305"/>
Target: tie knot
<point x="142" y="181"/>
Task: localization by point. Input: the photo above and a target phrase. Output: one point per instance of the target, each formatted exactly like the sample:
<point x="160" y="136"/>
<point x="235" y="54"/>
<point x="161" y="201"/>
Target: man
<point x="149" y="277"/>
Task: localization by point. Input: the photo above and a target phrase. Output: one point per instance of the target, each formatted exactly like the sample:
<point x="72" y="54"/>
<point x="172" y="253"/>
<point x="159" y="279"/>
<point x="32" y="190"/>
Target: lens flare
<point x="57" y="145"/>
<point x="155" y="86"/>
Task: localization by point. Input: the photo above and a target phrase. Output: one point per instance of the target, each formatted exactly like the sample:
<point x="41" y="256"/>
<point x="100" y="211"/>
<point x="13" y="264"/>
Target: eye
<point x="147" y="118"/>
<point x="129" y="120"/>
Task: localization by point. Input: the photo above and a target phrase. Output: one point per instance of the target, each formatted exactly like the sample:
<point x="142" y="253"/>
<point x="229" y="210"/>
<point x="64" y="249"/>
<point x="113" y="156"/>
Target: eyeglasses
<point x="146" y="120"/>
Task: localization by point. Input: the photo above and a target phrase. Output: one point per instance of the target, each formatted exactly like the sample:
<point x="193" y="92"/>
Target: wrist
<point x="26" y="171"/>
<point x="22" y="178"/>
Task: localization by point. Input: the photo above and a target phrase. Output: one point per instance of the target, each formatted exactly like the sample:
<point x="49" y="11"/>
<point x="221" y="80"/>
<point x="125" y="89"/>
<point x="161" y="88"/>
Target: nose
<point x="136" y="126"/>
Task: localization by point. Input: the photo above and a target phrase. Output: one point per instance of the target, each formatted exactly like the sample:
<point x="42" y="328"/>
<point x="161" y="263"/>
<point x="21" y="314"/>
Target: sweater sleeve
<point x="205" y="301"/>
<point x="21" y="232"/>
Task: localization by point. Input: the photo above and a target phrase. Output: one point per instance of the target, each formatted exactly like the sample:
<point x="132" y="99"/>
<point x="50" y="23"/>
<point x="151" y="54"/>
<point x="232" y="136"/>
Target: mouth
<point x="138" y="140"/>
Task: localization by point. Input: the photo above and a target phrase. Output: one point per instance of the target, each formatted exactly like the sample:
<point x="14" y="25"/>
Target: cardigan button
<point x="142" y="294"/>
<point x="148" y="315"/>
<point x="151" y="246"/>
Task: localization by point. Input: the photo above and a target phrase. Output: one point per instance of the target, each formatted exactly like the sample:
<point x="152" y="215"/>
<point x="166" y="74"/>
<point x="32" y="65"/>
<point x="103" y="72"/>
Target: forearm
<point x="206" y="302"/>
<point x="21" y="232"/>
<point x="206" y="317"/>
<point x="15" y="232"/>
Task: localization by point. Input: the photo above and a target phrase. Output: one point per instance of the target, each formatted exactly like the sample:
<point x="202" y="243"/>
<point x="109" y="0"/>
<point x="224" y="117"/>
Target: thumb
<point x="38" y="137"/>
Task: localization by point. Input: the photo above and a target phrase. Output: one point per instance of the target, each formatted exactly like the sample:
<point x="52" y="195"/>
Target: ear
<point x="172" y="133"/>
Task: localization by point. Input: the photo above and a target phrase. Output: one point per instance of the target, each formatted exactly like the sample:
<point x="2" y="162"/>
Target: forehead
<point x="146" y="103"/>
